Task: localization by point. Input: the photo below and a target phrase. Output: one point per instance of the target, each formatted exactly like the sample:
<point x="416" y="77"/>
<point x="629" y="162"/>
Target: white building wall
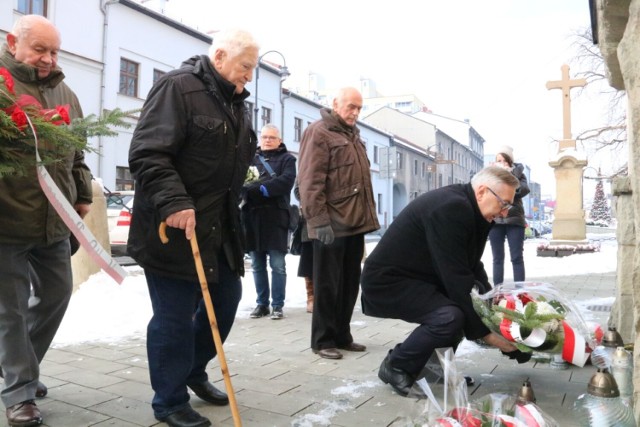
<point x="93" y="72"/>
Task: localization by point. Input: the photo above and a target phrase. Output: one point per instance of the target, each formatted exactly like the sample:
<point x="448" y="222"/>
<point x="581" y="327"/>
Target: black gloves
<point x="325" y="234"/>
<point x="482" y="288"/>
<point x="520" y="356"/>
<point x="254" y="194"/>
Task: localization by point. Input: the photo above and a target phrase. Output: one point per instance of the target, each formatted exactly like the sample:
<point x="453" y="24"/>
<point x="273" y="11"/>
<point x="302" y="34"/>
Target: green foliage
<point x="17" y="151"/>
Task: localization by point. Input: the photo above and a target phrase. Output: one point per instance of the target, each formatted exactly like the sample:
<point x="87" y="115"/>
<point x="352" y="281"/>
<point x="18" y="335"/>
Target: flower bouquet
<point x="253" y="175"/>
<point x="23" y="122"/>
<point x="536" y="317"/>
<point x="498" y="410"/>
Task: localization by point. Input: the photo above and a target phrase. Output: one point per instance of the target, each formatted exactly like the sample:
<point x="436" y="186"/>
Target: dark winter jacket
<point x="334" y="175"/>
<point x="516" y="213"/>
<point x="26" y="216"/>
<point x="429" y="257"/>
<point x="191" y="150"/>
<point x="265" y="220"/>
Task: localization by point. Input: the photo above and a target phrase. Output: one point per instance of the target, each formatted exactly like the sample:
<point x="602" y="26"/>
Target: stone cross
<point x="566" y="85"/>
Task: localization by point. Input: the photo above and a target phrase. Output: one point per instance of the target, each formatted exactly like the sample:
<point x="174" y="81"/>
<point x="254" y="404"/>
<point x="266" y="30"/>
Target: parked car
<point x="539" y="227"/>
<point x="116" y="201"/>
<point x="120" y="233"/>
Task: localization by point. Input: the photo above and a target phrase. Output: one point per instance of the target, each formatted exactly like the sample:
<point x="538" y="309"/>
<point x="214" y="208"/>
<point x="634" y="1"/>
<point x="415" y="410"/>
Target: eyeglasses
<point x="503" y="204"/>
<point x="272" y="138"/>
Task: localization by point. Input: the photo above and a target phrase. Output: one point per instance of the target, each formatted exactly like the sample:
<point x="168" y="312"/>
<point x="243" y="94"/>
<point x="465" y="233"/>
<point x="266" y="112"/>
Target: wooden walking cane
<point x="212" y="320"/>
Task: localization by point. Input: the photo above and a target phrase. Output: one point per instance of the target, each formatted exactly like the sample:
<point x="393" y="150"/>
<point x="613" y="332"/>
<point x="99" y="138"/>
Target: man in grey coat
<point x="425" y="266"/>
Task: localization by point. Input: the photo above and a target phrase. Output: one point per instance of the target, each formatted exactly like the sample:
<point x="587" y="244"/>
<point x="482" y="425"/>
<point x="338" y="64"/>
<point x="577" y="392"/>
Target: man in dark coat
<point x="189" y="156"/>
<point x="265" y="219"/>
<point x="424" y="267"/>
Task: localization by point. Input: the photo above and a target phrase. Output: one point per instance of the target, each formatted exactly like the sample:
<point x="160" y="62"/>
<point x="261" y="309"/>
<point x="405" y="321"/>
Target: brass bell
<point x="612" y="338"/>
<point x="603" y="384"/>
<point x="526" y="395"/>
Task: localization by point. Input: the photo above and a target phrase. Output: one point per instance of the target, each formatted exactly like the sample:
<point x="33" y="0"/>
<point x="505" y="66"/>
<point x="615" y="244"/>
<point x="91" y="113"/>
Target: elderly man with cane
<point x="189" y="155"/>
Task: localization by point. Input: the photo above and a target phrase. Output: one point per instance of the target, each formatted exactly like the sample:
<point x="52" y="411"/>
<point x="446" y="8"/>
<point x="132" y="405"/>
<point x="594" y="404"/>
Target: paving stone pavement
<point x="278" y="381"/>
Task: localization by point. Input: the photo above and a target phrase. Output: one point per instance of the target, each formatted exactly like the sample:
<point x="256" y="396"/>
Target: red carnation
<point x="19" y="118"/>
<point x="57" y="116"/>
<point x="5" y="77"/>
<point x="63" y="113"/>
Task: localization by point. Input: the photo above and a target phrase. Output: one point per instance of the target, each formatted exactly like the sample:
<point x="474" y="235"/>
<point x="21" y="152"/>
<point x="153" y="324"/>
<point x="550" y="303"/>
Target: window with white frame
<point x="32" y="7"/>
<point x="128" y="77"/>
<point x="297" y="129"/>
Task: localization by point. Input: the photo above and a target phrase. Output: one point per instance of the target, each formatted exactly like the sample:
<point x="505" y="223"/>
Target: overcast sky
<point x="486" y="61"/>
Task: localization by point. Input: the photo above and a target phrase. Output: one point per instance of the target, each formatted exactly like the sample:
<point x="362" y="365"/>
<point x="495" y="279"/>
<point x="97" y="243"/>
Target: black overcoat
<point x="429" y="257"/>
<point x="190" y="150"/>
<point x="265" y="220"/>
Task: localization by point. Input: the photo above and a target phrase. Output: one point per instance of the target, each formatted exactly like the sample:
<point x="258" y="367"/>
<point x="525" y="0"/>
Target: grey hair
<point x="492" y="176"/>
<point x="270" y="126"/>
<point x="24" y="24"/>
<point x="233" y="41"/>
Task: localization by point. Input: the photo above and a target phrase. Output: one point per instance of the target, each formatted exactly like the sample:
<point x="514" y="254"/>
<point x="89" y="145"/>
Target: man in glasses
<point x="425" y="266"/>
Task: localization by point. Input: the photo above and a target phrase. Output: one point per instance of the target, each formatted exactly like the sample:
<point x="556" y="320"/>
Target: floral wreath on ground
<point x="23" y="122"/>
<point x="536" y="318"/>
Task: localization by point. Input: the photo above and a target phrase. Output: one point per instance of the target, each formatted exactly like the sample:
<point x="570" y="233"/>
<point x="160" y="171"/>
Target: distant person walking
<point x="337" y="202"/>
<point x="511" y="227"/>
<point x="265" y="220"/>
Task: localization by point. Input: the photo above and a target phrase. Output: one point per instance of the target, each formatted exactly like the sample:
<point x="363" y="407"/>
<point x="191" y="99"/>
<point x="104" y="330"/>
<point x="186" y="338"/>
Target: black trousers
<point x="336" y="283"/>
<point x="439" y="328"/>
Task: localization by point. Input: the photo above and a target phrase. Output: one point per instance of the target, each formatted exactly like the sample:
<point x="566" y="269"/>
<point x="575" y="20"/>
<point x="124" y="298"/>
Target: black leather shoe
<point x="259" y="311"/>
<point x="24" y="414"/>
<point x="186" y="417"/>
<point x="353" y="346"/>
<point x="209" y="393"/>
<point x="400" y="380"/>
<point x="518" y="355"/>
<point x="41" y="390"/>
<point x="328" y="353"/>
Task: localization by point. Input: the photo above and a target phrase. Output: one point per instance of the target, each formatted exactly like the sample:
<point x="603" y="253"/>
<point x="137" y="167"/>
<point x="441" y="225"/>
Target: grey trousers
<point x="26" y="332"/>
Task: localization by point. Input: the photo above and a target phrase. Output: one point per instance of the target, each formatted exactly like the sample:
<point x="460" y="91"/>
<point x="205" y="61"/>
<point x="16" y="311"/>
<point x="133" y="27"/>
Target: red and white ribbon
<point x="575" y="347"/>
<point x="530" y="415"/>
<point x="511" y="330"/>
<point x="510" y="421"/>
<point x="448" y="422"/>
<point x="73" y="221"/>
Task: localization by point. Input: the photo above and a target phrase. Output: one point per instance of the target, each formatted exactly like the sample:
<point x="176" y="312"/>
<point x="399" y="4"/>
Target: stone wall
<point x="618" y="34"/>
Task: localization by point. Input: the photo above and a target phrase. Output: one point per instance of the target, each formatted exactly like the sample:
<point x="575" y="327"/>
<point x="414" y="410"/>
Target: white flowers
<point x="252" y="175"/>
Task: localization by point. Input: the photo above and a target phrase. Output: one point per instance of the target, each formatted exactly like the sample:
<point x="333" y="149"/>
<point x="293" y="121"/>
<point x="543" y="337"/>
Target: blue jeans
<point x="261" y="277"/>
<point x="515" y="236"/>
<point x="179" y="338"/>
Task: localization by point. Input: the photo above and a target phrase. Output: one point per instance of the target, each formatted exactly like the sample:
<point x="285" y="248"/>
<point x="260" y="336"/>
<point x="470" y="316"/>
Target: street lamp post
<point x="283" y="71"/>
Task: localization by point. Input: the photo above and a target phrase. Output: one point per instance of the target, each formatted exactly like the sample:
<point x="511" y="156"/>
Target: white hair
<point x="494" y="175"/>
<point x="24" y="24"/>
<point x="271" y="126"/>
<point x="233" y="41"/>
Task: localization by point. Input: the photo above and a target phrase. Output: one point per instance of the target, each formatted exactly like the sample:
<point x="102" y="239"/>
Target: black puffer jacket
<point x="266" y="219"/>
<point x="191" y="150"/>
<point x="516" y="213"/>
